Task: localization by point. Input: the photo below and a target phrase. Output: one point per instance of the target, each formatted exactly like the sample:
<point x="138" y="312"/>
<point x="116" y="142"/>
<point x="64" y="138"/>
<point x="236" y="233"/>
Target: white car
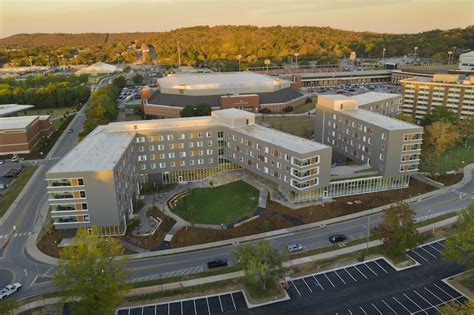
<point x="15" y="158"/>
<point x="295" y="248"/>
<point x="9" y="290"/>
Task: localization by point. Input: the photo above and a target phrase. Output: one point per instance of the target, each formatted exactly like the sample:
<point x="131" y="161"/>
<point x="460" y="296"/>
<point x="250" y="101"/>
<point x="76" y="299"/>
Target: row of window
<point x="69" y="207"/>
<point x="175" y="146"/>
<point x="67" y="194"/>
<point x="162" y="165"/>
<point x="65" y="182"/>
<point x="172" y="155"/>
<point x="181" y="136"/>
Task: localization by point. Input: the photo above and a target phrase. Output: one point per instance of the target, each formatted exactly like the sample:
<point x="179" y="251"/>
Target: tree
<point x="405" y="117"/>
<point x="187" y="111"/>
<point x="440" y="136"/>
<point x="455" y="308"/>
<point x="441" y="113"/>
<point x="398" y="230"/>
<point x="119" y="82"/>
<point x="7" y="306"/>
<point x="198" y="110"/>
<point x="459" y="246"/>
<point x="137" y="79"/>
<point x="261" y="263"/>
<point x="288" y="109"/>
<point x="89" y="271"/>
<point x="466" y="129"/>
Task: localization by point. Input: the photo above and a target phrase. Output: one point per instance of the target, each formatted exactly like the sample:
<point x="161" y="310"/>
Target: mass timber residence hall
<point x="96" y="183"/>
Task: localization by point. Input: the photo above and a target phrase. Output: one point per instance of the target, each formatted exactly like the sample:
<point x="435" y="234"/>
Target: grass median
<point x="15" y="188"/>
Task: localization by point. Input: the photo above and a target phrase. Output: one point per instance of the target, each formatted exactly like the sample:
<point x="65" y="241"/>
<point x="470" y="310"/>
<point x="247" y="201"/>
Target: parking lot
<point x="421" y="300"/>
<point x="215" y="304"/>
<point x="353" y="89"/>
<point x="339" y="278"/>
<point x="5" y="168"/>
<point x="427" y="253"/>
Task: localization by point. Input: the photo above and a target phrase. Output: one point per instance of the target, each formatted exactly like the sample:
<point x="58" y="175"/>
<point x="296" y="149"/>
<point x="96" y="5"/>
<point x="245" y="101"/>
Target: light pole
<point x="267" y="62"/>
<point x="239" y="56"/>
<point x="416" y="48"/>
<point x="450" y="53"/>
<point x="296" y="56"/>
<point x="383" y="54"/>
<point x="179" y="56"/>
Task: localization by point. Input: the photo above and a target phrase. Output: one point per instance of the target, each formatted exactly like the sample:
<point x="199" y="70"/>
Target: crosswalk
<point x="5" y="236"/>
<point x="175" y="273"/>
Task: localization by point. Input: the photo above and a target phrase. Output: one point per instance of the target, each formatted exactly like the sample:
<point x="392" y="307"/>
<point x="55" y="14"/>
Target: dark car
<point x="338" y="238"/>
<point x="70" y="130"/>
<point x="217" y="263"/>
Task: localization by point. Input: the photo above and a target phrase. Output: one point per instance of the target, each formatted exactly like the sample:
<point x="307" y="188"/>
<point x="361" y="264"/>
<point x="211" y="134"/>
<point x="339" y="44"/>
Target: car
<point x="9" y="290"/>
<point x="2" y="162"/>
<point x="338" y="238"/>
<point x="15" y="158"/>
<point x="70" y="130"/>
<point x="217" y="263"/>
<point x="295" y="248"/>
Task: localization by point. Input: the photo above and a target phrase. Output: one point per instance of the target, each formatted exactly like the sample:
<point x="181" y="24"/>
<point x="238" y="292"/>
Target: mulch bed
<point x="448" y="179"/>
<point x="48" y="243"/>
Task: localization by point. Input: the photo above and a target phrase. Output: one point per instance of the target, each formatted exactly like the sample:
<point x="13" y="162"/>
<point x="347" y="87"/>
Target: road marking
<point x="429" y="253"/>
<point x="441" y="290"/>
<point x="373" y="305"/>
<point x="329" y="280"/>
<point x="390" y="307"/>
<point x="195" y="310"/>
<point x="339" y="277"/>
<point x="181" y="303"/>
<point x="441" y="243"/>
<point x="434" y="248"/>
<point x="168" y="308"/>
<point x="360" y="272"/>
<point x="350" y="275"/>
<point x="349" y="311"/>
<point x="439" y="304"/>
<point x="363" y="310"/>
<point x="370" y="269"/>
<point x="318" y="283"/>
<point x="298" y="291"/>
<point x="307" y="286"/>
<point x="401" y="304"/>
<point x="433" y="294"/>
<point x="220" y="302"/>
<point x="423" y="298"/>
<point x="413" y="302"/>
<point x="412" y="251"/>
<point x="380" y="266"/>
<point x="208" y="308"/>
<point x="233" y="302"/>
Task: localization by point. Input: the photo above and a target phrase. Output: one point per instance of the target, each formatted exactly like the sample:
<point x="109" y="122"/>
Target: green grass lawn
<point x="131" y="117"/>
<point x="54" y="112"/>
<point x="306" y="107"/>
<point x="451" y="159"/>
<point x="218" y="205"/>
<point x="302" y="126"/>
<point x="16" y="187"/>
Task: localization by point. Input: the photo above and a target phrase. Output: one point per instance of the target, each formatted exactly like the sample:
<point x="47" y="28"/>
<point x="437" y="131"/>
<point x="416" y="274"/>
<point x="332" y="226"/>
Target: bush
<point x="265" y="111"/>
<point x="266" y="226"/>
<point x="288" y="109"/>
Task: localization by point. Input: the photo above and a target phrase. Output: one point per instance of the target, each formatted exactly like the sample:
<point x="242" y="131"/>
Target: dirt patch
<point x="447" y="179"/>
<point x="340" y="206"/>
<point x="48" y="242"/>
<point x="192" y="236"/>
<point x="465" y="283"/>
<point x="152" y="241"/>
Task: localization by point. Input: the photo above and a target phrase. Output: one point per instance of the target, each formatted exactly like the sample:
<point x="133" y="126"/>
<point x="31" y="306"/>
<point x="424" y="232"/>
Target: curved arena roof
<point x="220" y="83"/>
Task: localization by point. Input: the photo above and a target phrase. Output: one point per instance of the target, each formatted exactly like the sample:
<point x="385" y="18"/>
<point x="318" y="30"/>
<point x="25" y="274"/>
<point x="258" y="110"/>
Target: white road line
<point x="423" y="298"/>
<point x="370" y="269"/>
<point x="446" y="292"/>
<point x="208" y="308"/>
<point x="195" y="310"/>
<point x="433" y="294"/>
<point x="298" y="291"/>
<point x="307" y="286"/>
<point x="169" y="309"/>
<point x="434" y="248"/>
<point x="389" y="307"/>
<point x="428" y="253"/>
<point x="339" y="277"/>
<point x="401" y="304"/>
<point x="329" y="280"/>
<point x="373" y="305"/>
<point x="441" y="243"/>
<point x="439" y="304"/>
<point x="419" y="255"/>
<point x="380" y="266"/>
<point x="220" y="302"/>
<point x="318" y="283"/>
<point x="233" y="302"/>
<point x="350" y="275"/>
<point x="363" y="310"/>
<point x="179" y="303"/>
<point x="413" y="302"/>
<point x="360" y="272"/>
<point x="349" y="311"/>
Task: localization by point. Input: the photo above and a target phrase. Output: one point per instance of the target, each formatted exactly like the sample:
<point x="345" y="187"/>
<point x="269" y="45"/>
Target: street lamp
<point x="239" y="56"/>
<point x="267" y="62"/>
<point x="383" y="54"/>
<point x="296" y="56"/>
<point x="416" y="48"/>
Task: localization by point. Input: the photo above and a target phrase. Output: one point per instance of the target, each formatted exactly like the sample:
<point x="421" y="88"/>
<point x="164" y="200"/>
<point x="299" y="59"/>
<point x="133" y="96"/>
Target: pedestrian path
<point x="22" y="234"/>
<point x="175" y="273"/>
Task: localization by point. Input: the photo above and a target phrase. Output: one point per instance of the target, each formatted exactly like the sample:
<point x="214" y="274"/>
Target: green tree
<point x="7" y="306"/>
<point x="261" y="263"/>
<point x="89" y="271"/>
<point x="459" y="246"/>
<point x="119" y="82"/>
<point x="187" y="111"/>
<point x="398" y="230"/>
<point x="440" y="136"/>
<point x="405" y="117"/>
<point x="441" y="113"/>
<point x="466" y="129"/>
<point x="198" y="110"/>
<point x="137" y="79"/>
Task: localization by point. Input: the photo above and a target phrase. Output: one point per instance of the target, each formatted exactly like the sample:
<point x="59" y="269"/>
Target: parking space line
<point x="307" y="286"/>
<point x="380" y="266"/>
<point x="432" y="294"/>
<point x="434" y="248"/>
<point x="350" y="275"/>
<point x="329" y="280"/>
<point x="389" y="307"/>
<point x="195" y="309"/>
<point x="439" y="304"/>
<point x="363" y="310"/>
<point x="233" y="302"/>
<point x="208" y="308"/>
<point x="373" y="305"/>
<point x="349" y="311"/>
<point x="298" y="291"/>
<point x="360" y="272"/>
<point x="220" y="303"/>
<point x="370" y="269"/>
<point x="169" y="308"/>
<point x="401" y="304"/>
<point x="423" y="298"/>
<point x="412" y="251"/>
<point x="339" y="277"/>
<point x="179" y="303"/>
<point x="413" y="302"/>
<point x="428" y="253"/>
<point x="445" y="292"/>
<point x="318" y="283"/>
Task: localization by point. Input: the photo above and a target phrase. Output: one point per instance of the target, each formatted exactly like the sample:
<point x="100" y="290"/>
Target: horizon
<point x="122" y="16"/>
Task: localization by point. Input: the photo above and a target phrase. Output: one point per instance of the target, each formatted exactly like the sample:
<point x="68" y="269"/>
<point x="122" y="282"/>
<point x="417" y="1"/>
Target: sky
<point x="79" y="16"/>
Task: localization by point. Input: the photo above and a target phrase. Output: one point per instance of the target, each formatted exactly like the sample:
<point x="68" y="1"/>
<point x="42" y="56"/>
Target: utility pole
<point x="368" y="232"/>
<point x="179" y="56"/>
<point x="239" y="56"/>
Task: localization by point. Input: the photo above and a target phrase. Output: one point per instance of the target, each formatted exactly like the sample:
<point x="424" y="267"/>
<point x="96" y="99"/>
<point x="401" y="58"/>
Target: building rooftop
<point x="21" y="122"/>
<point x="371" y="97"/>
<point x="100" y="150"/>
<point x="379" y="120"/>
<point x="9" y="109"/>
<point x="364" y="73"/>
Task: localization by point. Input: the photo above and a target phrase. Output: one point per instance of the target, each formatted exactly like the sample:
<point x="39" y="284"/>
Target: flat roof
<point x="379" y="120"/>
<point x="9" y="109"/>
<point x="371" y="97"/>
<point x="281" y="139"/>
<point x="321" y="75"/>
<point x="100" y="150"/>
<point x="21" y="122"/>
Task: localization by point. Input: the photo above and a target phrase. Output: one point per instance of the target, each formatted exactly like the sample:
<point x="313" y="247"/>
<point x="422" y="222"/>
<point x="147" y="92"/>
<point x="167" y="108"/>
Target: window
<point x="141" y="148"/>
<point x="171" y="146"/>
<point x="82" y="194"/>
<point x="151" y="148"/>
<point x="170" y="137"/>
<point x="160" y="147"/>
<point x="182" y="154"/>
<point x="152" y="156"/>
<point x="191" y="144"/>
<point x="209" y="143"/>
<point x="211" y="160"/>
<point x="200" y="161"/>
<point x="181" y="136"/>
<point x="143" y="167"/>
<point x="173" y="164"/>
<point x="265" y="169"/>
<point x="142" y="158"/>
<point x="209" y="151"/>
<point x="162" y="156"/>
<point x="153" y="166"/>
<point x="208" y="134"/>
<point x="150" y="138"/>
<point x="200" y="144"/>
<point x="80" y="181"/>
<point x="384" y="137"/>
<point x="162" y="165"/>
<point x="191" y="153"/>
<point x="171" y="155"/>
<point x="140" y="139"/>
<point x="200" y="135"/>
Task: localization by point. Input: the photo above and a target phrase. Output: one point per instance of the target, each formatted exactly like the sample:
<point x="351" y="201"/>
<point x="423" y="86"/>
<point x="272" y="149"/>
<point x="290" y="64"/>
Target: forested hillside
<point x="223" y="43"/>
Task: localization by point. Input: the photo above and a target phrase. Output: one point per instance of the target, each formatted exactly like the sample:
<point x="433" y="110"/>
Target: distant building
<point x="422" y="95"/>
<point x="12" y="109"/>
<point x="466" y="61"/>
<point x="98" y="68"/>
<point x="389" y="104"/>
<point x="331" y="79"/>
<point x="18" y="135"/>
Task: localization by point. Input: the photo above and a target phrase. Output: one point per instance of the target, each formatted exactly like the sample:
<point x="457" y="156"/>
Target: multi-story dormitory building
<point x="390" y="146"/>
<point x="95" y="184"/>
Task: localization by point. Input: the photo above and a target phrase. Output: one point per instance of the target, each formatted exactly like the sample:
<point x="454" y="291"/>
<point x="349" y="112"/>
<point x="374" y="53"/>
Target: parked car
<point x="9" y="290"/>
<point x="2" y="162"/>
<point x="70" y="130"/>
<point x="295" y="248"/>
<point x="338" y="238"/>
<point x="217" y="263"/>
<point x="15" y="158"/>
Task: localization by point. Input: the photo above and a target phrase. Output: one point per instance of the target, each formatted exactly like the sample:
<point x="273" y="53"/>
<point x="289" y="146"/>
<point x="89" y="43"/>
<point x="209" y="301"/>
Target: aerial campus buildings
<point x="97" y="182"/>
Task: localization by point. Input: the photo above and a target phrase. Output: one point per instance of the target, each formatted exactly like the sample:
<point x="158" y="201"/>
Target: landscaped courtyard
<point x="218" y="205"/>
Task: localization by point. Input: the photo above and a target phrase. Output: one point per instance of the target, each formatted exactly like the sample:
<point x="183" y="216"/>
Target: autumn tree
<point x="89" y="271"/>
<point x="398" y="230"/>
<point x="440" y="113"/>
<point x="261" y="263"/>
<point x="459" y="245"/>
<point x="405" y="117"/>
<point x="439" y="137"/>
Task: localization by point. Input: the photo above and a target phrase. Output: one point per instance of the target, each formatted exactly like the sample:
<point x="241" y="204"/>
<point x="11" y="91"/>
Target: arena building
<point x="243" y="90"/>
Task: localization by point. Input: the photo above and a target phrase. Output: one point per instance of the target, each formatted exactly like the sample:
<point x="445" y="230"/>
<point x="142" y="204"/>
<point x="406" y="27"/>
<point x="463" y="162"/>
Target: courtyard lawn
<point x="301" y="126"/>
<point x="54" y="112"/>
<point x="452" y="159"/>
<point x="218" y="205"/>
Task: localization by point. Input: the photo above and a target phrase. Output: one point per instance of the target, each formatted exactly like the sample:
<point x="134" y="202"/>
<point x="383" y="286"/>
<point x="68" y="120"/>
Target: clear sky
<point x="77" y="16"/>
